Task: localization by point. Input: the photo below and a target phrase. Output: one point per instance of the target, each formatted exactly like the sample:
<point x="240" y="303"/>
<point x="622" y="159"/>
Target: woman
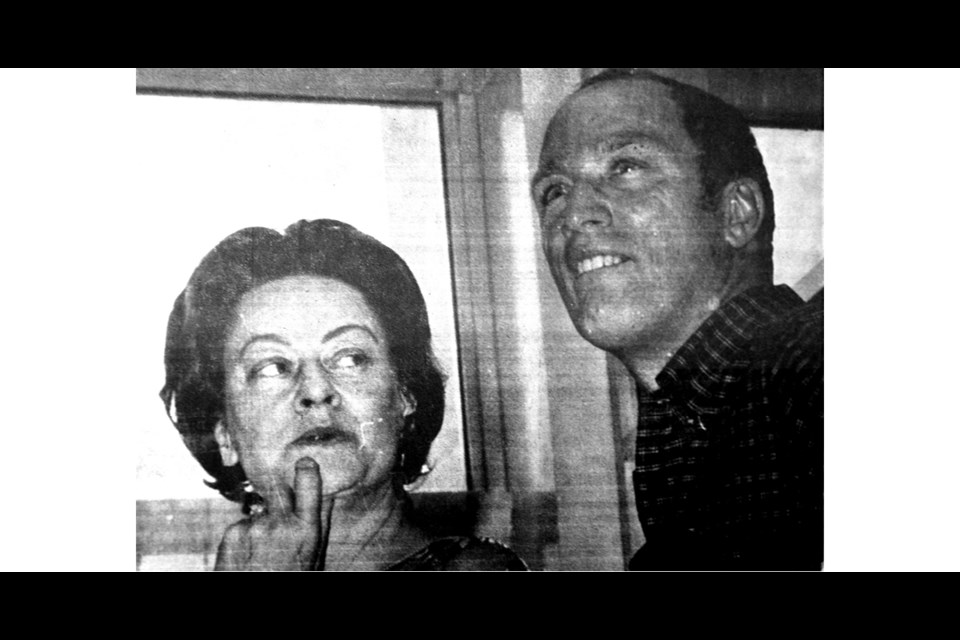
<point x="300" y="375"/>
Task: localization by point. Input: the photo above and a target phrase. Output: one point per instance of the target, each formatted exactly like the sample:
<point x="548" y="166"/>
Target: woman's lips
<point x="324" y="436"/>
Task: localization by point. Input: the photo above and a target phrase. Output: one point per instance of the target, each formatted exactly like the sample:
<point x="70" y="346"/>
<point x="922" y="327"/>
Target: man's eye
<point x="272" y="370"/>
<point x="626" y="166"/>
<point x="551" y="192"/>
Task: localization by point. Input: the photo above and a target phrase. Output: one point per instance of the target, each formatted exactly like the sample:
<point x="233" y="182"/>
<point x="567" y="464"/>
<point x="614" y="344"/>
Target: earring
<point x="253" y="503"/>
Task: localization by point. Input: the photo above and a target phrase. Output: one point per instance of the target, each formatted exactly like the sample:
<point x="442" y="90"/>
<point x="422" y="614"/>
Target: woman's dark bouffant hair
<point x="194" y="390"/>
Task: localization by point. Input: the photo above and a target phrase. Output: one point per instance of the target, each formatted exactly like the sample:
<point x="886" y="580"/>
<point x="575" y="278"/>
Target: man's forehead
<point x="612" y="113"/>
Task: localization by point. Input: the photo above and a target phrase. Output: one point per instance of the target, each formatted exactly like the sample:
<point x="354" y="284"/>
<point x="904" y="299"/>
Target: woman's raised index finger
<point x="307" y="487"/>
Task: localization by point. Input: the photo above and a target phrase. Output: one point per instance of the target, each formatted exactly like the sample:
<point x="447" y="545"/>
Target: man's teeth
<point x="596" y="262"/>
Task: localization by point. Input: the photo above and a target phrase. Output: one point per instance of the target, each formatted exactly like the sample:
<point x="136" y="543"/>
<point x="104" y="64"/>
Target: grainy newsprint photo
<point x="482" y="319"/>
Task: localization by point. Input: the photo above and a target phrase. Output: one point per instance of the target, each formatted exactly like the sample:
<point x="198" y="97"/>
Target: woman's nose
<point x="315" y="388"/>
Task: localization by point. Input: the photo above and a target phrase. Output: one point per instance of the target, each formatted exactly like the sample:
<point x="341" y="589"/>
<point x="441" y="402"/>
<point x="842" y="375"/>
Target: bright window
<point x="794" y="161"/>
<point x="211" y="166"/>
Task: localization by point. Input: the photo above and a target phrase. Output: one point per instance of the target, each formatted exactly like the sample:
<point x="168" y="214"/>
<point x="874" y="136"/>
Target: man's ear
<point x="228" y="453"/>
<point x="409" y="402"/>
<point x="743" y="211"/>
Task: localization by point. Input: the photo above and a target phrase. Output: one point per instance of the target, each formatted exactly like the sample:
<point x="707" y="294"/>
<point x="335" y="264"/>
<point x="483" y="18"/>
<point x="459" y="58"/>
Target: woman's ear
<point x="228" y="453"/>
<point x="743" y="211"/>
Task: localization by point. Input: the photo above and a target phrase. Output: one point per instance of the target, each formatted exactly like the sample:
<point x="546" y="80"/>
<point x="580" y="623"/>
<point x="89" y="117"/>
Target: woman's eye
<point x="349" y="360"/>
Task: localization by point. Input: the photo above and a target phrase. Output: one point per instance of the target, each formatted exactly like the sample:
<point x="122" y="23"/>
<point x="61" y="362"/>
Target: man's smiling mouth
<point x="598" y="262"/>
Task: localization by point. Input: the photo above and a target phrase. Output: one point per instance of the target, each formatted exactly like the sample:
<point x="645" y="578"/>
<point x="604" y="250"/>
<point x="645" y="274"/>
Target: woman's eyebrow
<point x="349" y="327"/>
<point x="263" y="337"/>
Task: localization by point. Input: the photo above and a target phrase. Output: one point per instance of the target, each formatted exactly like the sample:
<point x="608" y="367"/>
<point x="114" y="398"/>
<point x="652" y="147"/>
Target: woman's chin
<point x="339" y="469"/>
<point x="338" y="486"/>
<point x="341" y="473"/>
<point x="362" y="492"/>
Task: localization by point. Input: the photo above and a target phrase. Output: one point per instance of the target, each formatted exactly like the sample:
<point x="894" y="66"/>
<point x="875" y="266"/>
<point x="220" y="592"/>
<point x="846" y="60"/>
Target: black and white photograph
<point x="489" y="319"/>
<point x="479" y="319"/>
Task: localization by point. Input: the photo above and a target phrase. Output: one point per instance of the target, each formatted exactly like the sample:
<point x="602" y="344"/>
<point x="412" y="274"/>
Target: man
<point x="657" y="222"/>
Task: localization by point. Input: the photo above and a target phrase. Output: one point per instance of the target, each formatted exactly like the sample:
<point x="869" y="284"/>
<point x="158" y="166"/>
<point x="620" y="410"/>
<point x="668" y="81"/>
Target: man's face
<point x="618" y="191"/>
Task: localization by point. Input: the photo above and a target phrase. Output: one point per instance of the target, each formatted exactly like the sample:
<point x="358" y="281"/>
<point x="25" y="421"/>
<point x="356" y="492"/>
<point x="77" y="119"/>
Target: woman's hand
<point x="289" y="540"/>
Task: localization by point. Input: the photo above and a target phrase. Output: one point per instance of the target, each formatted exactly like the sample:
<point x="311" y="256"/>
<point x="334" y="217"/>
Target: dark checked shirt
<point x="729" y="471"/>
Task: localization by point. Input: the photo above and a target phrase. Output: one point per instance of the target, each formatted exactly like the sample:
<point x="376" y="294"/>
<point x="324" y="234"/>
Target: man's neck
<point x="646" y="360"/>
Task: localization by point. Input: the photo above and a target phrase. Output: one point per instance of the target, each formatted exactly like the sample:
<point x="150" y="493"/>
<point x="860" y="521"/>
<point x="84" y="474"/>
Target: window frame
<point x="453" y="93"/>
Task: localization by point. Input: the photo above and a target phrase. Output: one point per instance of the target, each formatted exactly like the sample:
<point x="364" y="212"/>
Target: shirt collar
<point x="703" y="370"/>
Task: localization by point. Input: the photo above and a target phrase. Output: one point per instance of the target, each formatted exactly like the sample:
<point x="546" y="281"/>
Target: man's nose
<point x="586" y="208"/>
<point x="315" y="388"/>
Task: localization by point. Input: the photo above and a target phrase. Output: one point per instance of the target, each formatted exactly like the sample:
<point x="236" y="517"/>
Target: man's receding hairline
<point x="567" y="101"/>
<point x="600" y="80"/>
<point x="641" y="75"/>
<point x="671" y="86"/>
<point x="544" y="170"/>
